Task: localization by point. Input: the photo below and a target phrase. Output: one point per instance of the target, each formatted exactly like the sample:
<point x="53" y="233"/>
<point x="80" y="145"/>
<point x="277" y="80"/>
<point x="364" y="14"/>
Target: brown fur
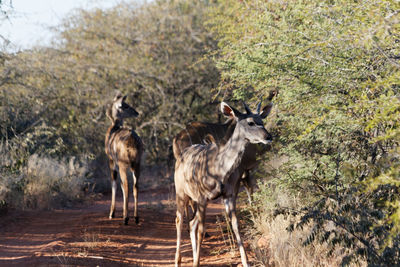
<point x="128" y="146"/>
<point x="124" y="149"/>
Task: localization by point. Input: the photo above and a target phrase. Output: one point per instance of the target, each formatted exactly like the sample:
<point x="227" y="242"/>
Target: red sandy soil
<point x="84" y="236"/>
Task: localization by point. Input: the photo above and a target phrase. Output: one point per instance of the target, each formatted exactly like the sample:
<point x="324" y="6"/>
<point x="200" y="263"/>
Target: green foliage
<point x="336" y="65"/>
<point x="53" y="100"/>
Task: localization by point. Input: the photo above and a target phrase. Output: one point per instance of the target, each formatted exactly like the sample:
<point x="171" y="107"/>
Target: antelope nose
<point x="268" y="136"/>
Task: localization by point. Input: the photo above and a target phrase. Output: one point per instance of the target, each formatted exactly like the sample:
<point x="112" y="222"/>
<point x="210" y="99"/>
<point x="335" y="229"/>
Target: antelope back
<point x="196" y="133"/>
<point x="194" y="172"/>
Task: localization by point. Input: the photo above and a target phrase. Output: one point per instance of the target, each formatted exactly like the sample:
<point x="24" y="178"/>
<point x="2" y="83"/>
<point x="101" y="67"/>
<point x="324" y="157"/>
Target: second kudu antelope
<point x="205" y="172"/>
<point x="124" y="149"/>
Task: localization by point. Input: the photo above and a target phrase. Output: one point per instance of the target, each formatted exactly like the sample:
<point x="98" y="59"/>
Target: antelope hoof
<point x="206" y="235"/>
<point x="126" y="220"/>
<point x="112" y="215"/>
<point x="137" y="219"/>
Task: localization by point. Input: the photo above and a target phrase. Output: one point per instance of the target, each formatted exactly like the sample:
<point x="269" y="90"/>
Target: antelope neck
<point x="231" y="153"/>
<point x="118" y="123"/>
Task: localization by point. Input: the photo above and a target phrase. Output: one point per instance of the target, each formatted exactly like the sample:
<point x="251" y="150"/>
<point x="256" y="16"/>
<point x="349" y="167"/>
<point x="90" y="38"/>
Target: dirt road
<point x="84" y="236"/>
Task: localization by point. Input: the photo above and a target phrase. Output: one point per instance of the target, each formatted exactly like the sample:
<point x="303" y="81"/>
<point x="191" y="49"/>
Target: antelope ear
<point x="118" y="95"/>
<point x="229" y="111"/>
<point x="272" y="94"/>
<point x="266" y="110"/>
<point x="109" y="113"/>
<point x="124" y="98"/>
<point x="209" y="139"/>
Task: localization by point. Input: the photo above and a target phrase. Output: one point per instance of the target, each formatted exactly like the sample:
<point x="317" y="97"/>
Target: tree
<point x="155" y="53"/>
<point x="53" y="99"/>
<point x="4" y="12"/>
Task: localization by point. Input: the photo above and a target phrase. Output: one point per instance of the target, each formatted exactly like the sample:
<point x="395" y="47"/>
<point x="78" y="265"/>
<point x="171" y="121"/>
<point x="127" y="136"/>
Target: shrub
<point x="44" y="183"/>
<point x="336" y="66"/>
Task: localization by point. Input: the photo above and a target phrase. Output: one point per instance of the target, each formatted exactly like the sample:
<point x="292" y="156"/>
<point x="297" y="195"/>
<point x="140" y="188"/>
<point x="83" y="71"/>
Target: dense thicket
<point x="337" y="67"/>
<point x="53" y="100"/>
<point x="155" y="53"/>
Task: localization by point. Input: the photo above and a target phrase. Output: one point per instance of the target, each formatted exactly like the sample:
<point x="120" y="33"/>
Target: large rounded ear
<point x="209" y="139"/>
<point x="118" y="95"/>
<point x="109" y="113"/>
<point x="229" y="111"/>
<point x="272" y="94"/>
<point x="266" y="110"/>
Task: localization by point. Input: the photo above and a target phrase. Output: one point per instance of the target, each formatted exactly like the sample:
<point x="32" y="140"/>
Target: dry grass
<point x="227" y="235"/>
<point x="278" y="247"/>
<point x="91" y="240"/>
<point x="52" y="183"/>
<point x="44" y="183"/>
<point x="275" y="246"/>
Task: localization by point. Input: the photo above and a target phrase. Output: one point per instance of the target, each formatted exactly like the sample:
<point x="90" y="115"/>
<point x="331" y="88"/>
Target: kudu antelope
<point x="196" y="132"/>
<point x="124" y="149"/>
<point x="205" y="172"/>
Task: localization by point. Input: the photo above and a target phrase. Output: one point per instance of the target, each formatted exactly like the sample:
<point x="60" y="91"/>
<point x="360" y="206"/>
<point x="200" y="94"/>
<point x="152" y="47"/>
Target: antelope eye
<point x="251" y="123"/>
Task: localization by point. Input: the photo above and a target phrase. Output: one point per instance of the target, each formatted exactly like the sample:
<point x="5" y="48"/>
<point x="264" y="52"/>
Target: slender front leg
<point x="114" y="175"/>
<point x="179" y="224"/>
<point x="230" y="206"/>
<point x="135" y="175"/>
<point x="248" y="182"/>
<point x="193" y="235"/>
<point x="125" y="192"/>
<point x="201" y="214"/>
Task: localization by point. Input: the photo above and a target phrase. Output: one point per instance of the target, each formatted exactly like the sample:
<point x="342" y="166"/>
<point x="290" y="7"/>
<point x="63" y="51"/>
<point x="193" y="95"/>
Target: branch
<point x="388" y="58"/>
<point x="150" y="123"/>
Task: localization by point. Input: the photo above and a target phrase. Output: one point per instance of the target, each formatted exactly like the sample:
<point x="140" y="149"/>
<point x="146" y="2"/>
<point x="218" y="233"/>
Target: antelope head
<point x="250" y="124"/>
<point x="120" y="110"/>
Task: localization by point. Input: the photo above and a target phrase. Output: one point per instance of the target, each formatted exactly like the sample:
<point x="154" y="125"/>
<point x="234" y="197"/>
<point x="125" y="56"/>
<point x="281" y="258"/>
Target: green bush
<point x="336" y="66"/>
